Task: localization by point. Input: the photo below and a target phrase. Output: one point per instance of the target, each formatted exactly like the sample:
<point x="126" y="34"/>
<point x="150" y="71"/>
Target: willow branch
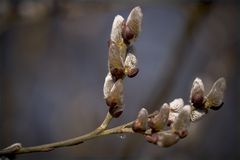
<point x="99" y="132"/>
<point x="17" y="149"/>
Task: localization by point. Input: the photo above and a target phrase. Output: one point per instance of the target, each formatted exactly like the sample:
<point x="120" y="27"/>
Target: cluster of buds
<point x="202" y="102"/>
<point x="172" y="121"/>
<point x="122" y="61"/>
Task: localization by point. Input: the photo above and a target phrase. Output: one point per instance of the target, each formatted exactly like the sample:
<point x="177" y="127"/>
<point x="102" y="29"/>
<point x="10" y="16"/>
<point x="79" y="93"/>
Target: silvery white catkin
<point x="116" y="37"/>
<point x="114" y="58"/>
<point x="216" y="94"/>
<point x="167" y="139"/>
<point x="197" y="114"/>
<point x="197" y="93"/>
<point x="140" y="124"/>
<point x="115" y="96"/>
<point x="116" y="33"/>
<point x="182" y="122"/>
<point x="117" y="91"/>
<point x="130" y="63"/>
<point x="159" y="121"/>
<point x="108" y="84"/>
<point x="134" y="21"/>
<point x="175" y="108"/>
<point x="176" y="105"/>
<point x="113" y="85"/>
<point x="115" y="99"/>
<point x="117" y="49"/>
<point x="131" y="60"/>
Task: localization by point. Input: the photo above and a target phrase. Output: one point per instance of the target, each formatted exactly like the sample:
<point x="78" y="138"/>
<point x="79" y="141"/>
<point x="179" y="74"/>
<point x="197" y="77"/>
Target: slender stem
<point x="48" y="147"/>
<point x="100" y="131"/>
<point x="105" y="123"/>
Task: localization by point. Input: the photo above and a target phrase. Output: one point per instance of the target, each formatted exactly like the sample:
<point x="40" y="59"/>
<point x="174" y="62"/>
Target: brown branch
<point x="48" y="147"/>
<point x="100" y="131"/>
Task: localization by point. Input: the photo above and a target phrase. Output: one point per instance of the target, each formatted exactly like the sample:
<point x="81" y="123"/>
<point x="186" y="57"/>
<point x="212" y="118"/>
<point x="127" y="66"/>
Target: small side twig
<point x="105" y="123"/>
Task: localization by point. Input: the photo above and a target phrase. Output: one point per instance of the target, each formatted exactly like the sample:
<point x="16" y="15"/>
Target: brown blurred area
<point x="53" y="61"/>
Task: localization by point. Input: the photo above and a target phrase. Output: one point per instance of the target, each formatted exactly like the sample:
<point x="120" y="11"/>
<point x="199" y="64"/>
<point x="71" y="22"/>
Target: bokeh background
<point x="53" y="61"/>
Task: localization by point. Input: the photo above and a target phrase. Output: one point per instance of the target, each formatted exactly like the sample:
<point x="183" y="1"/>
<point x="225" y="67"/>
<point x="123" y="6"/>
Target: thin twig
<point x="65" y="143"/>
<point x="100" y="131"/>
<point x="105" y="123"/>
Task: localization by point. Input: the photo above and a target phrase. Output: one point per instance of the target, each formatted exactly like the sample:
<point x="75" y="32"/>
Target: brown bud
<point x="117" y="73"/>
<point x="215" y="96"/>
<point x="197" y="94"/>
<point x="163" y="139"/>
<point x="140" y="124"/>
<point x="132" y="72"/>
<point x="197" y="101"/>
<point x="111" y="101"/>
<point x="127" y="34"/>
<point x="182" y="122"/>
<point x="159" y="121"/>
<point x="153" y="138"/>
<point x="116" y="111"/>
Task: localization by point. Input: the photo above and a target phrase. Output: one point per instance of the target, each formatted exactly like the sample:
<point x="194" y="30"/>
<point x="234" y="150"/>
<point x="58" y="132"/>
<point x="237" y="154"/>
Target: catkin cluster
<point x="122" y="61"/>
<point x="171" y="122"/>
<point x="164" y="127"/>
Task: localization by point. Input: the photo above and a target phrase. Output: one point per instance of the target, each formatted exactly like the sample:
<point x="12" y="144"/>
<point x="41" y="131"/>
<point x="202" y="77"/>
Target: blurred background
<point x="53" y="61"/>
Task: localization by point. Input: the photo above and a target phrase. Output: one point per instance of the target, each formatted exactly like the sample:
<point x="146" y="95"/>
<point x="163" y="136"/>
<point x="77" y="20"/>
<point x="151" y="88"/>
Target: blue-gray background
<point x="53" y="61"/>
